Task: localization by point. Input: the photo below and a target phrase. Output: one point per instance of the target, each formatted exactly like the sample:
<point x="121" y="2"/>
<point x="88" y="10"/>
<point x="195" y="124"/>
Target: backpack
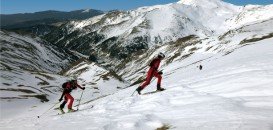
<point x="64" y="85"/>
<point x="71" y="86"/>
<point x="152" y="62"/>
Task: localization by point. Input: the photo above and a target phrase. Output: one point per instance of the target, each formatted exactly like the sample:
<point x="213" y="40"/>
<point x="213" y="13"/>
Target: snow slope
<point x="30" y="75"/>
<point x="232" y="91"/>
<point x="98" y="81"/>
<point x="28" y="72"/>
<point x="17" y="50"/>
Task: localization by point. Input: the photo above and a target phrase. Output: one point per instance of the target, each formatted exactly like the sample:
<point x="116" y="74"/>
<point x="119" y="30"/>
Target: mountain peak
<point x="86" y="11"/>
<point x="195" y="2"/>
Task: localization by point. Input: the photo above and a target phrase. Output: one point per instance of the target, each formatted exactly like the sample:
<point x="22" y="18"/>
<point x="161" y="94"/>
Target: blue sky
<point x="26" y="6"/>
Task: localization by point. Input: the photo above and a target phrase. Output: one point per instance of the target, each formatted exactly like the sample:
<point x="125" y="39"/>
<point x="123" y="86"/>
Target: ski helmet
<point x="161" y="55"/>
<point x="73" y="78"/>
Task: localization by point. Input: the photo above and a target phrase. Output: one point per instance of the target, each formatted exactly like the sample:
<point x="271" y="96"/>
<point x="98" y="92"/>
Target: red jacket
<point x="69" y="87"/>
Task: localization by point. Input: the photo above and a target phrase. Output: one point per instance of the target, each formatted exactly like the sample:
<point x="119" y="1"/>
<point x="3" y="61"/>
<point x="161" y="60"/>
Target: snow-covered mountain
<point x="30" y="53"/>
<point x="115" y="37"/>
<point x="232" y="91"/>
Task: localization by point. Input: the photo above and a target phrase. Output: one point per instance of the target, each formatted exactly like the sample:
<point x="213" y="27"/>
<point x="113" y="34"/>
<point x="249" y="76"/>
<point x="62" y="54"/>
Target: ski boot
<point x="159" y="88"/>
<point x="71" y="110"/>
<point x="139" y="90"/>
<point x="61" y="110"/>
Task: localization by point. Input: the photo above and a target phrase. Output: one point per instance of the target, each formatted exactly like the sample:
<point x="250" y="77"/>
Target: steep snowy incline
<point x="251" y="14"/>
<point x="17" y="50"/>
<point x="232" y="91"/>
<point x="29" y="68"/>
<point x="23" y="55"/>
<point x="37" y="91"/>
<point x="98" y="81"/>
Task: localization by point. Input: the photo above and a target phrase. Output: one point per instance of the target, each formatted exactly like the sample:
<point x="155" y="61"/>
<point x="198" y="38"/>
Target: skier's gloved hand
<point x="83" y="88"/>
<point x="60" y="99"/>
<point x="160" y="72"/>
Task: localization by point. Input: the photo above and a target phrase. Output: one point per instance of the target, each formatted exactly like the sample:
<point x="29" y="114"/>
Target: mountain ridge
<point x="123" y="34"/>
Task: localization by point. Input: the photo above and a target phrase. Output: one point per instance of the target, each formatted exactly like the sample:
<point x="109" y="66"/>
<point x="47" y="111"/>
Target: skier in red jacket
<point x="153" y="72"/>
<point x="68" y="87"/>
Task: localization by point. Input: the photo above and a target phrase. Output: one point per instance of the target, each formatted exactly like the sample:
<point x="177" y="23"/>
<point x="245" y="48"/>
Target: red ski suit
<point x="66" y="93"/>
<point x="153" y="72"/>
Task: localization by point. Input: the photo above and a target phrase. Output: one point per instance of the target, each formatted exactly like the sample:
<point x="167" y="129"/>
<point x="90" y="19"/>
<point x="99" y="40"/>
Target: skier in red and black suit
<point x="68" y="87"/>
<point x="153" y="72"/>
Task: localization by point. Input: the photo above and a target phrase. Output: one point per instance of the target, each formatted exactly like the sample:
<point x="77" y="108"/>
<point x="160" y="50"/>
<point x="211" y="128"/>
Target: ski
<point x="66" y="112"/>
<point x="152" y="92"/>
<point x="74" y="111"/>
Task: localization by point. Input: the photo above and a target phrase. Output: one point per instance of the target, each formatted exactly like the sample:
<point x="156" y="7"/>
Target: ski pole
<point x="80" y="100"/>
<point x="133" y="93"/>
<point x="48" y="109"/>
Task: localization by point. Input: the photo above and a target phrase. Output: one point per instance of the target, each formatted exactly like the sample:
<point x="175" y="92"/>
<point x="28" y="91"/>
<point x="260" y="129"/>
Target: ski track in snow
<point x="231" y="92"/>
